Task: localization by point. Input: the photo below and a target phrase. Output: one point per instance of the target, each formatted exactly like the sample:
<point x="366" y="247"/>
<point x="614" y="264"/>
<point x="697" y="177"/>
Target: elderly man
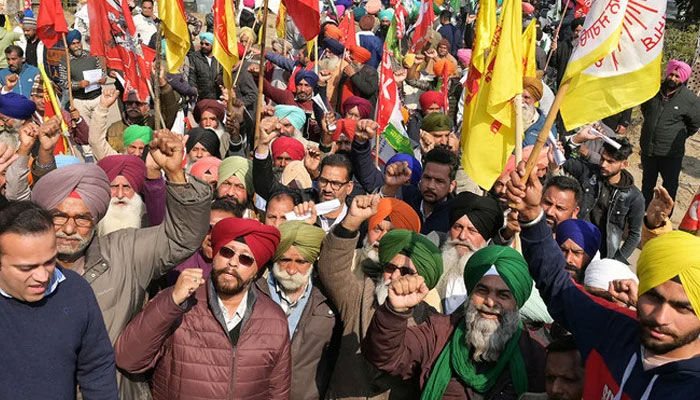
<point x="466" y="356"/>
<point x="210" y="114"/>
<point x="202" y="142"/>
<point x="136" y="138"/>
<point x="220" y="336"/>
<point x="670" y="117"/>
<point x="81" y="62"/>
<point x="579" y="241"/>
<point x="353" y="377"/>
<point x="119" y="266"/>
<point x="48" y="313"/>
<point x="18" y="77"/>
<point x="358" y="78"/>
<point x="235" y="183"/>
<point x="626" y="355"/>
<point x="313" y="322"/>
<point x="205" y="70"/>
<point x="533" y="117"/>
<point x="285" y="150"/>
<point x="288" y="120"/>
<point x="306" y="82"/>
<point x="278" y="205"/>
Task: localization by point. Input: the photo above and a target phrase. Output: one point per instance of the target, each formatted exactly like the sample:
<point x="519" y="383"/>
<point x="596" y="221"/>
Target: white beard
<point x="369" y="251"/>
<point x="453" y="265"/>
<point x="290" y="283"/>
<point x="122" y="216"/>
<point x="488" y="337"/>
<point x="381" y="290"/>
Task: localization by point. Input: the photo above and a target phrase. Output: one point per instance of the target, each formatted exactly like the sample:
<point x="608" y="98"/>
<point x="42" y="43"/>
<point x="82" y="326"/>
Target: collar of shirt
<point x="56" y="278"/>
<point x="233" y="321"/>
<point x="285" y="302"/>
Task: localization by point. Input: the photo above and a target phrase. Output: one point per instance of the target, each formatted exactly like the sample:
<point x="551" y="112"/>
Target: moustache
<point x="571" y="267"/>
<point x="63" y="235"/>
<point x="645" y="323"/>
<point x="496" y="310"/>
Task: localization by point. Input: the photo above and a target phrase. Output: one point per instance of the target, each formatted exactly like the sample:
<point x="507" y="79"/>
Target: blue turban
<point x="583" y="233"/>
<point x="345" y="3"/>
<point x="294" y="114"/>
<point x="16" y="106"/>
<point x="207" y="36"/>
<point x="388" y="13"/>
<point x="309" y="76"/>
<point x="63" y="160"/>
<point x="333" y="46"/>
<point x="73" y="35"/>
<point x="359" y="13"/>
<point x="413" y="165"/>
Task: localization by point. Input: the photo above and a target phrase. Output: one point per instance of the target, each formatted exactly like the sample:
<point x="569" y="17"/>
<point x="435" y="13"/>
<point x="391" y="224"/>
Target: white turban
<point x="600" y="273"/>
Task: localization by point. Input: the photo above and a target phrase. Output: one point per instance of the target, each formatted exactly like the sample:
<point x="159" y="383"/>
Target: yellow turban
<point x="306" y="238"/>
<point x="667" y="256"/>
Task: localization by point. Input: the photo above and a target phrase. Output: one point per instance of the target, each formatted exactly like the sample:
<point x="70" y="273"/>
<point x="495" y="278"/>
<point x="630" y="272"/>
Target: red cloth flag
<point x="113" y="36"/>
<point x="445" y="88"/>
<point x="347" y="26"/>
<point x="306" y="16"/>
<point x="400" y="13"/>
<point x="581" y="8"/>
<point x="426" y="16"/>
<point x="691" y="220"/>
<point x="387" y="101"/>
<point x="50" y="22"/>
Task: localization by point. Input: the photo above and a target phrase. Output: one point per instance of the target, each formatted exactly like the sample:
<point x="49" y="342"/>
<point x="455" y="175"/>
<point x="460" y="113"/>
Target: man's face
<point x="577" y="31"/>
<point x="292" y="270"/>
<point x="576" y="258"/>
<point x="610" y="167"/>
<point x="464" y="234"/>
<point x="400" y="262"/>
<point x="343" y="144"/>
<point x="232" y="275"/>
<point x="499" y="190"/>
<point x="121" y="188"/>
<point x="440" y="137"/>
<point x="147" y="9"/>
<point x="276" y="210"/>
<point x="39" y="101"/>
<point x="493" y="292"/>
<point x="27" y="263"/>
<point x="3" y="182"/>
<point x="214" y="217"/>
<point x="434" y="108"/>
<point x="134" y="109"/>
<point x="198" y="151"/>
<point x="76" y="47"/>
<point x="74" y="227"/>
<point x="232" y="189"/>
<point x="334" y="183"/>
<point x="14" y="62"/>
<point x="376" y="234"/>
<point x="304" y="91"/>
<point x="282" y="160"/>
<point x="287" y="129"/>
<point x="435" y="184"/>
<point x="135" y="148"/>
<point x="558" y="206"/>
<point x="385" y="23"/>
<point x="672" y="81"/>
<point x="667" y="321"/>
<point x="527" y="98"/>
<point x="208" y="120"/>
<point x="442" y="50"/>
<point x="353" y="113"/>
<point x="205" y="47"/>
<point x="30" y="34"/>
<point x="564" y="376"/>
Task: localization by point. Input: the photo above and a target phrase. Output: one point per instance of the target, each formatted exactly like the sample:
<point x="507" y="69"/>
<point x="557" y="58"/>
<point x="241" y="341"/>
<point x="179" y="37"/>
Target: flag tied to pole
<point x="426" y="16"/>
<point x="50" y="23"/>
<point x="177" y="37"/>
<point x="306" y="16"/>
<point x="225" y="48"/>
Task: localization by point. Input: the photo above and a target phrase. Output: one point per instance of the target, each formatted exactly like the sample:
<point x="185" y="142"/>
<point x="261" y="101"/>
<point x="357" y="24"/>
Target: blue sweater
<point x="26" y="79"/>
<point x="50" y="346"/>
<point x="607" y="339"/>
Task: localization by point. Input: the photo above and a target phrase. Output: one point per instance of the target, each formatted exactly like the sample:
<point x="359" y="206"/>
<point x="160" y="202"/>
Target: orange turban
<point x="440" y="66"/>
<point x="360" y="54"/>
<point x="333" y="32"/>
<point x="401" y="215"/>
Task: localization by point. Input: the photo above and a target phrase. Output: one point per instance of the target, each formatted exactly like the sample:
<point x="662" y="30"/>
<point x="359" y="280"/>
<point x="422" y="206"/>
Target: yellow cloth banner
<point x="225" y="48"/>
<point x="281" y="19"/>
<point x="175" y="33"/>
<point x="485" y="26"/>
<point x="530" y="50"/>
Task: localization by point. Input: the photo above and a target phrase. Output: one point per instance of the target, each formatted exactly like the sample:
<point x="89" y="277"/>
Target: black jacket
<point x="206" y="78"/>
<point x="667" y="124"/>
<point x="365" y="83"/>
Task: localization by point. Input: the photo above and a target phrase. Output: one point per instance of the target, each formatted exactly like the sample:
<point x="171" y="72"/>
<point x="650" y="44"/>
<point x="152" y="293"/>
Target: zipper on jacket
<point x="233" y="370"/>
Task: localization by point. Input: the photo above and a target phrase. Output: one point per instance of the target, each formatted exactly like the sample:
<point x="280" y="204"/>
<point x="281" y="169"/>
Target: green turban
<point x="510" y="265"/>
<point x="306" y="238"/>
<point x="237" y="166"/>
<point x="134" y="132"/>
<point x="424" y="254"/>
<point x="436" y="122"/>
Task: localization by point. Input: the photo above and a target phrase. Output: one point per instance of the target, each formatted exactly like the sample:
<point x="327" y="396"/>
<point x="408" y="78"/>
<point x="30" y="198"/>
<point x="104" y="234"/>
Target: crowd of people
<point x="216" y="259"/>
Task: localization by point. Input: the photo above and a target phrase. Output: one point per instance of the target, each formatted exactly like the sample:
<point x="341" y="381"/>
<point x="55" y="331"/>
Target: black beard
<point x="241" y="285"/>
<point x="666" y="347"/>
<point x="668" y="85"/>
<point x="346" y="153"/>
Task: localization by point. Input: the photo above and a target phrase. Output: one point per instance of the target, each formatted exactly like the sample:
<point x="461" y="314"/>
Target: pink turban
<point x="88" y="180"/>
<point x="373" y="6"/>
<point x="206" y="165"/>
<point x="262" y="239"/>
<point x="682" y="68"/>
<point x="465" y="55"/>
<point x="130" y="167"/>
<point x="291" y="146"/>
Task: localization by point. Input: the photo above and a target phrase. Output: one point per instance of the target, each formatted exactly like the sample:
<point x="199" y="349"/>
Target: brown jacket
<point x="409" y="352"/>
<point x="194" y="357"/>
<point x="314" y="344"/>
<point x="353" y="377"/>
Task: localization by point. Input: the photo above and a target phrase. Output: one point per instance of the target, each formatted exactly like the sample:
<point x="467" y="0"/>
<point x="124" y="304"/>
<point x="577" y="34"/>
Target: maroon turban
<point x="363" y="106"/>
<point x="131" y="167"/>
<point x="291" y="146"/>
<point x="427" y="99"/>
<point x="262" y="239"/>
<point x="367" y="22"/>
<point x="212" y="106"/>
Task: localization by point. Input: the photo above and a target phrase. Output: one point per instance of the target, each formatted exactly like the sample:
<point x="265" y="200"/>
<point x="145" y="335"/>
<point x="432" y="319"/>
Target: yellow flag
<point x="281" y="19"/>
<point x="175" y="32"/>
<point x="489" y="137"/>
<point x="485" y="27"/>
<point x="225" y="48"/>
<point x="529" y="50"/>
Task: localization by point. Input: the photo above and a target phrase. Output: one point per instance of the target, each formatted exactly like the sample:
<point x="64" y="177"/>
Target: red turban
<point x="212" y="106"/>
<point x="291" y="146"/>
<point x="359" y="54"/>
<point x="346" y="127"/>
<point x="206" y="165"/>
<point x="427" y="99"/>
<point x="402" y="215"/>
<point x="261" y="239"/>
<point x="130" y="167"/>
<point x="363" y="106"/>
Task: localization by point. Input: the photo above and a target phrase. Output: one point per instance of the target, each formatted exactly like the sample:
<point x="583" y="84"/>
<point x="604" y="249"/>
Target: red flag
<point x="113" y="36"/>
<point x="347" y="26"/>
<point x="306" y="16"/>
<point x="691" y="220"/>
<point x="445" y="88"/>
<point x="387" y="101"/>
<point x="426" y="16"/>
<point x="27" y="4"/>
<point x="581" y="8"/>
<point x="50" y="22"/>
<point x="400" y="13"/>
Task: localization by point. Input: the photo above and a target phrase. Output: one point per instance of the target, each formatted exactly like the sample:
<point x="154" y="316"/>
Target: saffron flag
<point x="50" y="23"/>
<point x="529" y="50"/>
<point x="347" y="26"/>
<point x="225" y="48"/>
<point x="306" y="16"/>
<point x="177" y="37"/>
<point x="485" y="27"/>
<point x="280" y="24"/>
<point x="426" y="16"/>
<point x="489" y="137"/>
<point x="629" y="75"/>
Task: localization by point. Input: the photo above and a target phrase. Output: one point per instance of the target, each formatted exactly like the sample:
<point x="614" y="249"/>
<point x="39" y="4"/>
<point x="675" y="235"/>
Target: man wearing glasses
<point x="215" y="338"/>
<point x="119" y="266"/>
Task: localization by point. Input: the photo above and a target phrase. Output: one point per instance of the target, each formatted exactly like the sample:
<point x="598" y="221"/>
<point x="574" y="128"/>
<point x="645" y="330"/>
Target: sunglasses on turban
<point x="390" y="268"/>
<point x="244" y="259"/>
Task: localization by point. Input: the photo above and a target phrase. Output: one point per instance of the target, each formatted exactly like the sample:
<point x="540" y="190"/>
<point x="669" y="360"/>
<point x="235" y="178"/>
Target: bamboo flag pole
<point x="70" y="91"/>
<point x="245" y="53"/>
<point x="517" y="105"/>
<point x="261" y="75"/>
<point x="556" y="33"/>
<point x="156" y="87"/>
<point x="316" y="55"/>
<point x="376" y="137"/>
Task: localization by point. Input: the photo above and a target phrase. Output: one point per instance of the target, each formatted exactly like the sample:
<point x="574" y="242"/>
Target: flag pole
<point x="316" y="54"/>
<point x="156" y="87"/>
<point x="245" y="53"/>
<point x="556" y="33"/>
<point x="261" y="75"/>
<point x="517" y="105"/>
<point x="376" y="137"/>
<point x="70" y="91"/>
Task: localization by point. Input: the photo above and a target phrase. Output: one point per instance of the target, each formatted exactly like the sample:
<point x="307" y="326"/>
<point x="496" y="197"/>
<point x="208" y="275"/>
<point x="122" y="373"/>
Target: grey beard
<point x="369" y="251"/>
<point x="290" y="283"/>
<point x="487" y="337"/>
<point x="453" y="265"/>
<point x="381" y="290"/>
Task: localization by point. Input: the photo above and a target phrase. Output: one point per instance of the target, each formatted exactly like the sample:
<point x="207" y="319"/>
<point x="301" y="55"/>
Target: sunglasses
<point x="390" y="268"/>
<point x="244" y="260"/>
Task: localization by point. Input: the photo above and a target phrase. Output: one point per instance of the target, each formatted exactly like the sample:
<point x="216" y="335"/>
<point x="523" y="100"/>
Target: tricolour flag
<point x="629" y="75"/>
<point x="426" y="16"/>
<point x="50" y="23"/>
<point x="347" y="26"/>
<point x="225" y="48"/>
<point x="177" y="37"/>
<point x="306" y="16"/>
<point x="530" y="50"/>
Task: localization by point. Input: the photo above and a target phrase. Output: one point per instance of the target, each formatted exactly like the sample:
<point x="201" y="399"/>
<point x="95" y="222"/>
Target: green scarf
<point x="455" y="359"/>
